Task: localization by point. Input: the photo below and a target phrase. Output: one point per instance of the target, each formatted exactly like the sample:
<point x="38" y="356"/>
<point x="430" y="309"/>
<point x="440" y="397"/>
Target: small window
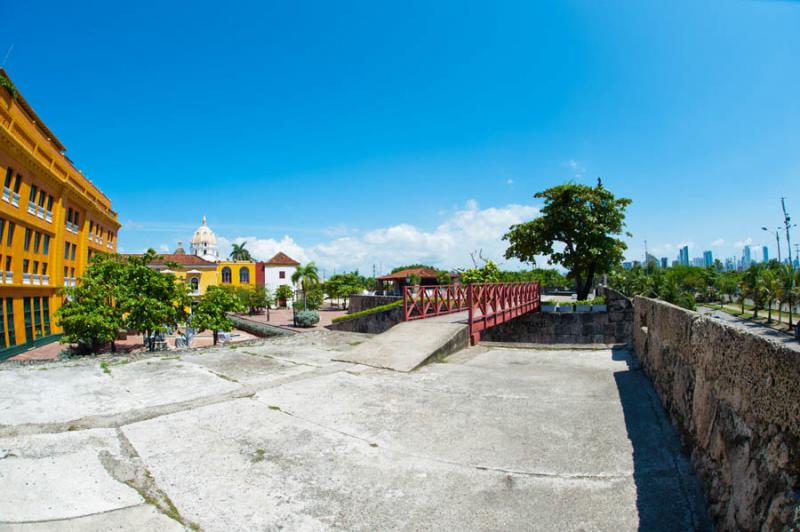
<point x="46" y="245"/>
<point x="50" y="203"/>
<point x="226" y="275"/>
<point x="74" y="249"/>
<point x="37" y="239"/>
<point x="17" y="183"/>
<point x="66" y="250"/>
<point x="281" y="274"/>
<point x="35" y="267"/>
<point x="9" y="177"/>
<point x="42" y="196"/>
<point x="27" y="241"/>
<point x="69" y="214"/>
<point x="2" y="227"/>
<point x="44" y="268"/>
<point x="244" y="275"/>
<point x="25" y="265"/>
<point x="8" y="263"/>
<point x="194" y="283"/>
<point x="34" y="189"/>
<point x="10" y="238"/>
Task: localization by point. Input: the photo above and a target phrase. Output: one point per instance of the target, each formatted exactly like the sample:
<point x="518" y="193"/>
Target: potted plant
<point x="599" y="305"/>
<point x="549" y="306"/>
<point x="583" y="306"/>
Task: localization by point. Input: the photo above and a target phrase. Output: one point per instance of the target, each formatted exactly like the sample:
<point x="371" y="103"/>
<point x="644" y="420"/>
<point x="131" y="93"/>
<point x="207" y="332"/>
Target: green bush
<point x="306" y="318"/>
<point x="372" y="310"/>
<point x="598" y="301"/>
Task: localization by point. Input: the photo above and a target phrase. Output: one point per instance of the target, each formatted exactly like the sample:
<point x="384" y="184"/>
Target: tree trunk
<point x="769" y="313"/>
<point x="113" y="346"/>
<point x="215" y="337"/>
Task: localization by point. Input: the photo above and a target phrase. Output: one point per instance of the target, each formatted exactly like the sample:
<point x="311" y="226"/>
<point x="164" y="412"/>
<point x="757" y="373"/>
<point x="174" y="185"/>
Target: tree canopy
<point x="240" y="253"/>
<point x="578" y="228"/>
<point x="211" y="312"/>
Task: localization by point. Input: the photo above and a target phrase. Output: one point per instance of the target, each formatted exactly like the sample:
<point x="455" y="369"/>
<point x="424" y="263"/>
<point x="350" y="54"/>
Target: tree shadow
<point x="668" y="493"/>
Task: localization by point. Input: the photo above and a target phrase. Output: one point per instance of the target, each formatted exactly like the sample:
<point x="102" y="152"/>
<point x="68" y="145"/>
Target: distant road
<point x="754" y="328"/>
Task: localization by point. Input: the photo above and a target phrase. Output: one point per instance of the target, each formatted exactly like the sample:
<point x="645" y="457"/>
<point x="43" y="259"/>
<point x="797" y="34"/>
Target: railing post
<point x="405" y="303"/>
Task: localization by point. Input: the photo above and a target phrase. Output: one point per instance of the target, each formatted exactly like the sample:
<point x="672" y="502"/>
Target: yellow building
<point x="52" y="219"/>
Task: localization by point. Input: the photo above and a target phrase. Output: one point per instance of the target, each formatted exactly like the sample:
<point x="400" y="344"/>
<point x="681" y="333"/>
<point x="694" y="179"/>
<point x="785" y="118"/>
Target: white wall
<point x="272" y="278"/>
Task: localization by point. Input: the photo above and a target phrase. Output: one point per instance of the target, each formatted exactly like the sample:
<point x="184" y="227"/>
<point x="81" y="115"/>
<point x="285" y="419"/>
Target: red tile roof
<point x="424" y="273"/>
<point x="179" y="258"/>
<point x="282" y="259"/>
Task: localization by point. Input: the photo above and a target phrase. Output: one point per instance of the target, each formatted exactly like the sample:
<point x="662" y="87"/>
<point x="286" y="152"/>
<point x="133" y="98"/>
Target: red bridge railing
<point x="486" y="304"/>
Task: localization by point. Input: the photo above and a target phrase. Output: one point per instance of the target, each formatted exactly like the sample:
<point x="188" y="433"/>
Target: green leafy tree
<point x="240" y="253"/>
<point x="151" y="300"/>
<point x="91" y="315"/>
<point x="307" y="276"/>
<point x="211" y="312"/>
<point x="412" y="267"/>
<point x="284" y="294"/>
<point x="489" y="273"/>
<point x="443" y="277"/>
<point x="773" y="289"/>
<point x="578" y="229"/>
<point x="342" y="285"/>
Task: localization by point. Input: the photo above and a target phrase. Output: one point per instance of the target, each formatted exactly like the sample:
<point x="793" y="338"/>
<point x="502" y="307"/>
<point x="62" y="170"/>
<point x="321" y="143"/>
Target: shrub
<point x="372" y="310"/>
<point x="598" y="301"/>
<point x="306" y="318"/>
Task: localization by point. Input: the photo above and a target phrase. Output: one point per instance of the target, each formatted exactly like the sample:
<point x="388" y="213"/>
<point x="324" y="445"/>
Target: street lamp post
<point x="787" y="222"/>
<point x="777" y="241"/>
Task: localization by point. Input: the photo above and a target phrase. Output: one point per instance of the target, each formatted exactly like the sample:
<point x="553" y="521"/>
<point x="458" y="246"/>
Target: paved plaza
<point x="276" y="435"/>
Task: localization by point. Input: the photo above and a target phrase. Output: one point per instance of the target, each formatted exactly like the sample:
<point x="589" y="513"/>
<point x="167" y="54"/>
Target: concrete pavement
<point x="278" y="435"/>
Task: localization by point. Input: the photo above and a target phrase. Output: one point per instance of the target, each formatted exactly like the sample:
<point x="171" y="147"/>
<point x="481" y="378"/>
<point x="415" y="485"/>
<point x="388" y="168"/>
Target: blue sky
<point x="365" y="133"/>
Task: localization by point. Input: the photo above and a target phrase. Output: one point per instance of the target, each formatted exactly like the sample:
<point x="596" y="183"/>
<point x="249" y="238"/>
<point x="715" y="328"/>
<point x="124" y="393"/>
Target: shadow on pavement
<point x="668" y="494"/>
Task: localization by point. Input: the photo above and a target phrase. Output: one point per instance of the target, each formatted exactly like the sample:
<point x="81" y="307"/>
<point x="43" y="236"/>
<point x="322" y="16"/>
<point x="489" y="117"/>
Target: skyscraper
<point x="747" y="261"/>
<point x="683" y="256"/>
<point x="664" y="262"/>
<point x="708" y="259"/>
<point x="766" y="254"/>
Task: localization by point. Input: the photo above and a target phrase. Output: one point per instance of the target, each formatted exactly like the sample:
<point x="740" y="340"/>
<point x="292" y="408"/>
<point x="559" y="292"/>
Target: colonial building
<point x="278" y="271"/>
<point x="204" y="243"/>
<point x="52" y="219"/>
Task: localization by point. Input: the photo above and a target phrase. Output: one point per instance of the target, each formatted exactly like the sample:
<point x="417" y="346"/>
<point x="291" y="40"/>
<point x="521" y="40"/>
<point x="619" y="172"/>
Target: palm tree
<point x="773" y="288"/>
<point x="240" y="253"/>
<point x="307" y="276"/>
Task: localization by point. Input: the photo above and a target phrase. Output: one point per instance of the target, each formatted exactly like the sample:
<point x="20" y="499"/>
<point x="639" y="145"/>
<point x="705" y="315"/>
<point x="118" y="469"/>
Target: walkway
<point x="284" y="317"/>
<point x="751" y="326"/>
<point x="276" y="435"/>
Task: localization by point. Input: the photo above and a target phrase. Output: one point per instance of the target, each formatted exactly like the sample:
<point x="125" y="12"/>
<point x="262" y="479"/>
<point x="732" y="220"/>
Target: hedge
<point x="372" y="310"/>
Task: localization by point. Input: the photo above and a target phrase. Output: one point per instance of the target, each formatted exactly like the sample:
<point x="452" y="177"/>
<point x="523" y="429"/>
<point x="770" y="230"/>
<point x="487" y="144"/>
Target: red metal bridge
<point x="486" y="304"/>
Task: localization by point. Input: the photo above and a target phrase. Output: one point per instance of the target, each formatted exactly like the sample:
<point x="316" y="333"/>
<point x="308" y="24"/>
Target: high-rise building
<point x="648" y="258"/>
<point x="52" y="220"/>
<point x="683" y="256"/>
<point x="664" y="262"/>
<point x="698" y="261"/>
<point x="747" y="260"/>
<point x="766" y="254"/>
<point x="708" y="258"/>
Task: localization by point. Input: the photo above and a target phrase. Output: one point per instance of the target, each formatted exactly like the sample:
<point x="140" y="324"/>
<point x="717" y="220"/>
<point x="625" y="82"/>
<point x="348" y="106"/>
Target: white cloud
<point x="718" y="242"/>
<point x="163" y="248"/>
<point x="264" y="248"/>
<point x="742" y="243"/>
<point x="577" y="169"/>
<point x="447" y="246"/>
<point x="509" y="181"/>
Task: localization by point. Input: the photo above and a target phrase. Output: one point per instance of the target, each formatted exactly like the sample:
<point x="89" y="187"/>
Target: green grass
<point x="105" y="368"/>
<point x="373" y="310"/>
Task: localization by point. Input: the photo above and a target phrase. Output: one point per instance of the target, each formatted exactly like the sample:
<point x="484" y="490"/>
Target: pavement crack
<point x="129" y="469"/>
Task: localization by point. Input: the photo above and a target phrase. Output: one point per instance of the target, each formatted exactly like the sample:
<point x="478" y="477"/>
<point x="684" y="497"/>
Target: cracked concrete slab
<point x="278" y="435"/>
<point x="60" y="476"/>
<point x="63" y="393"/>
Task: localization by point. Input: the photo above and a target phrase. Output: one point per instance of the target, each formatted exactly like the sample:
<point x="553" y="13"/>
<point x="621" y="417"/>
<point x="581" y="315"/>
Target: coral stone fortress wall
<point x="52" y="219"/>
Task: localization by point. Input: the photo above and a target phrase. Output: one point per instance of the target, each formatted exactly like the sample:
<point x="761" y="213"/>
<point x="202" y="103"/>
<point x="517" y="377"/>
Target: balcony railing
<point x="9" y="196"/>
<point x="26" y="278"/>
<point x="40" y="212"/>
<point x="73" y="228"/>
<point x="35" y="279"/>
<point x="32" y="208"/>
<point x="48" y="216"/>
<point x="45" y="280"/>
<point x="91" y="237"/>
<point x="110" y="245"/>
<point x="9" y="277"/>
<point x="69" y="281"/>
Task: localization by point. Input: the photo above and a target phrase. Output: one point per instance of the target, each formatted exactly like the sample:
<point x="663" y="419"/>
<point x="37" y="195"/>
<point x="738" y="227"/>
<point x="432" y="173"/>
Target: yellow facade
<point x="236" y="273"/>
<point x="52" y="219"/>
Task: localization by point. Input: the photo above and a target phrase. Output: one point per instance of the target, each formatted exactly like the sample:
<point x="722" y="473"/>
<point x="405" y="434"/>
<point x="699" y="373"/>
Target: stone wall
<point x="734" y="398"/>
<point x="366" y="302"/>
<point x="374" y="323"/>
<point x="611" y="327"/>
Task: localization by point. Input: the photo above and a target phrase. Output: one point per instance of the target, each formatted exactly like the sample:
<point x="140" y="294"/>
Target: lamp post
<point x="777" y="241"/>
<point x="787" y="222"/>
